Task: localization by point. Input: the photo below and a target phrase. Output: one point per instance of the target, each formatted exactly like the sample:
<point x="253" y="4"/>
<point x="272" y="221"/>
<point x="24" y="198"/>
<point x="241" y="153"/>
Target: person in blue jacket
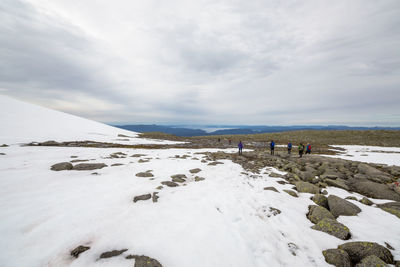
<point x="240" y="146"/>
<point x="289" y="148"/>
<point x="308" y="149"/>
<point x="272" y="147"/>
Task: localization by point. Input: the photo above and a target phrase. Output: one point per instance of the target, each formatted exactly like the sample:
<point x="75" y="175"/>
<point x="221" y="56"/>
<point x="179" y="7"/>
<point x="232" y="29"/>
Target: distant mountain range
<point x="188" y="131"/>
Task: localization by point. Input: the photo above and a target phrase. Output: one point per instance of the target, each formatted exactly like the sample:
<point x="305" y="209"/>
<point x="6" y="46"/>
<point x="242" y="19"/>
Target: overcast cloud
<point x="196" y="62"/>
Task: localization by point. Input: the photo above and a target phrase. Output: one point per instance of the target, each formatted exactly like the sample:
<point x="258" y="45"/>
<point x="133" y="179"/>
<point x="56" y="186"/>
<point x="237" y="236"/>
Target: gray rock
<point x="317" y="213"/>
<point x="351" y="198"/>
<point x="372" y="189"/>
<point x="89" y="166"/>
<point x="155" y="197"/>
<point x="112" y="253"/>
<point x="271" y="188"/>
<point x="305" y="187"/>
<point x="144" y="174"/>
<point x="198" y="179"/>
<point x="144" y="261"/>
<point x="78" y="160"/>
<point x="291" y="192"/>
<point x="391" y="207"/>
<point x="62" y="166"/>
<point x="320" y="200"/>
<point x="371" y="261"/>
<point x="275" y="175"/>
<point x="78" y="250"/>
<point x="374" y="174"/>
<point x="333" y="227"/>
<point x="366" y="201"/>
<point x="360" y="250"/>
<point x="339" y="206"/>
<point x="50" y="143"/>
<point x="340" y="183"/>
<point x="197" y="170"/>
<point x="169" y="184"/>
<point x="214" y="163"/>
<point x="116" y="164"/>
<point x="337" y="257"/>
<point x="178" y="178"/>
<point x="141" y="197"/>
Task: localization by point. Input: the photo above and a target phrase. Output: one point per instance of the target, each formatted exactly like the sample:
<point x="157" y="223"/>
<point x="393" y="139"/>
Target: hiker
<point x="230" y="141"/>
<point x="240" y="146"/>
<point x="301" y="150"/>
<point x="308" y="150"/>
<point x="272" y="147"/>
<point x="289" y="148"/>
<point x="219" y="140"/>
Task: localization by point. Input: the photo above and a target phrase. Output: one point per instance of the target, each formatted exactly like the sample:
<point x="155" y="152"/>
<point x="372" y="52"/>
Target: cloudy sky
<point x="206" y="62"/>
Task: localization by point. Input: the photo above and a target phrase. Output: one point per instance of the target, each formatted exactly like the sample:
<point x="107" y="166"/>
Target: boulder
<point x="305" y="187"/>
<point x="195" y="170"/>
<point x="351" y="198"/>
<point x="291" y="192"/>
<point x="391" y="207"/>
<point x="155" y="197"/>
<point x="169" y="184"/>
<point x="333" y="227"/>
<point x="144" y="261"/>
<point x="366" y="201"/>
<point x="141" y="197"/>
<point x="62" y="166"/>
<point x="271" y="188"/>
<point x="374" y="174"/>
<point x="144" y="174"/>
<point x="337" y="257"/>
<point x="340" y="183"/>
<point x="88" y="166"/>
<point x="320" y="200"/>
<point x="360" y="250"/>
<point x="317" y="213"/>
<point x="78" y="250"/>
<point x="339" y="206"/>
<point x="198" y="179"/>
<point x="372" y="189"/>
<point x="275" y="175"/>
<point x="371" y="260"/>
<point x="112" y="253"/>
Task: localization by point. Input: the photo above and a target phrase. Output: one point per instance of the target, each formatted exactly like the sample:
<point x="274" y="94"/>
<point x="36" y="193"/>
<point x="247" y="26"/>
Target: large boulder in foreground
<point x="62" y="166"/>
<point x="305" y="187"/>
<point x="89" y="166"/>
<point x="360" y="250"/>
<point x="317" y="213"/>
<point x="337" y="257"/>
<point x="372" y="189"/>
<point x="333" y="227"/>
<point x="339" y="206"/>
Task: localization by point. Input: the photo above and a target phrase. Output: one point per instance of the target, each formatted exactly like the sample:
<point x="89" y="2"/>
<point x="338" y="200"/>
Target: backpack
<point x="309" y="147"/>
<point x="289" y="145"/>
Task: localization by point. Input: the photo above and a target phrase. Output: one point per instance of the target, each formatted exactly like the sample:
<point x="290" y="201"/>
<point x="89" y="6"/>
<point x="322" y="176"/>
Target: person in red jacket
<point x="308" y="149"/>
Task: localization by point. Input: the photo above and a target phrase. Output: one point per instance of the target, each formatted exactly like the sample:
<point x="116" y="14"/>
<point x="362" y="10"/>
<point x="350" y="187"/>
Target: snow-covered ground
<point x="370" y="154"/>
<point x="224" y="220"/>
<point x="22" y="122"/>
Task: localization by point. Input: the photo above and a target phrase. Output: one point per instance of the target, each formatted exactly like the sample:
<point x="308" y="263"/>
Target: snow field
<point x="222" y="221"/>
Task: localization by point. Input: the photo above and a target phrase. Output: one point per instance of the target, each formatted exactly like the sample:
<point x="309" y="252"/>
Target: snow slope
<point x="22" y="122"/>
<point x="370" y="154"/>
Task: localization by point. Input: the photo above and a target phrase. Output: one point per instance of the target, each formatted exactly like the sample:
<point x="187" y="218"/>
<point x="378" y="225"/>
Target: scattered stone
<point x="50" y="143"/>
<point x="4" y="145"/>
<point x="337" y="257"/>
<point x="324" y="192"/>
<point x="78" y="160"/>
<point x="317" y="213"/>
<point x="3" y="154"/>
<point x="138" y="155"/>
<point x="74" y="157"/>
<point x="351" y="198"/>
<point x="89" y="166"/>
<point x="340" y="183"/>
<point x="179" y="178"/>
<point x="339" y="206"/>
<point x="118" y="155"/>
<point x="62" y="166"/>
<point x="144" y="174"/>
<point x="141" y="197"/>
<point x="94" y="173"/>
<point x="169" y="183"/>
<point x="389" y="246"/>
<point x="195" y="170"/>
<point x="143" y="160"/>
<point x="320" y="200"/>
<point x="78" y="250"/>
<point x="333" y="227"/>
<point x="144" y="261"/>
<point x="155" y="197"/>
<point x="116" y="164"/>
<point x="271" y="188"/>
<point x="291" y="192"/>
<point x="273" y="211"/>
<point x="371" y="261"/>
<point x="293" y="248"/>
<point x="366" y="201"/>
<point x="275" y="175"/>
<point x="215" y="163"/>
<point x="159" y="187"/>
<point x="112" y="253"/>
<point x="359" y="250"/>
<point x="198" y="179"/>
<point x="282" y="182"/>
<point x="305" y="187"/>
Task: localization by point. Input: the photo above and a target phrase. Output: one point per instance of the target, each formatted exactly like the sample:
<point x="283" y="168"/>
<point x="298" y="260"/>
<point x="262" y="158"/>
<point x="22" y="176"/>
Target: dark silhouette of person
<point x="272" y="147"/>
<point x="289" y="148"/>
<point x="301" y="150"/>
<point x="240" y="146"/>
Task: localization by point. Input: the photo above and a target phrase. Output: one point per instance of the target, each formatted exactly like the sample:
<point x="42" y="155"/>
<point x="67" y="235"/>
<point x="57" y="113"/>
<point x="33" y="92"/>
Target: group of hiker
<point x="301" y="148"/>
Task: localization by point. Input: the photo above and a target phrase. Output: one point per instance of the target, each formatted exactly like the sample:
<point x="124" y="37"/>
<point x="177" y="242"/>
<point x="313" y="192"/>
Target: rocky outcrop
<point x="62" y="166"/>
<point x="89" y="166"/>
<point x="317" y="213"/>
<point x="333" y="227"/>
<point x="339" y="206"/>
<point x="373" y="189"/>
<point x="337" y="257"/>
